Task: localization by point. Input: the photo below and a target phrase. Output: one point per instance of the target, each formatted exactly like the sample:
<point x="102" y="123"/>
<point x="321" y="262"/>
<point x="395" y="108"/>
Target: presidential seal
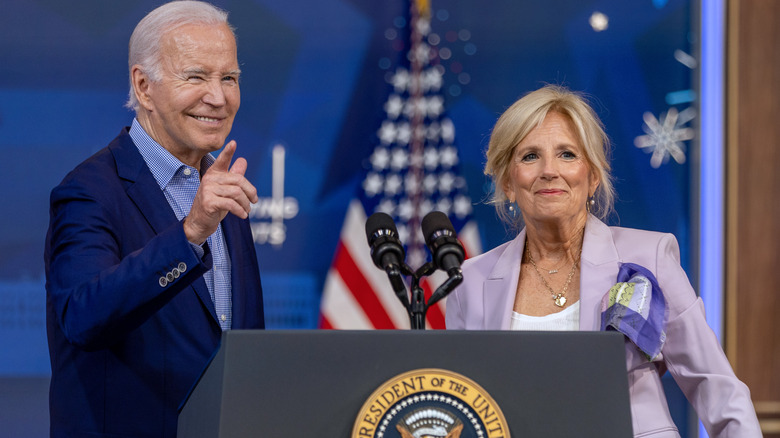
<point x="430" y="403"/>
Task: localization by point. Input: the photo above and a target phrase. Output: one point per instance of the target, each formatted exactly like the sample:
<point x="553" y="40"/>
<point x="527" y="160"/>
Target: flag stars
<point x="431" y="80"/>
<point x="433" y="132"/>
<point x="448" y="157"/>
<point x="387" y="132"/>
<point x="387" y="206"/>
<point x="416" y="257"/>
<point x="380" y="158"/>
<point x="393" y="185"/>
<point x="403" y="232"/>
<point x="431" y="158"/>
<point x="405" y="209"/>
<point x="430" y="183"/>
<point x="414" y="166"/>
<point x="400" y="80"/>
<point x="434" y="106"/>
<point x="394" y="106"/>
<point x="412" y="184"/>
<point x="423" y="26"/>
<point x="426" y="206"/>
<point x="373" y="184"/>
<point x="399" y="159"/>
<point x="446" y="182"/>
<point x="413" y="107"/>
<point x="462" y="206"/>
<point x="447" y="131"/>
<point x="416" y="160"/>
<point x="421" y="54"/>
<point x="403" y="134"/>
<point x="444" y="205"/>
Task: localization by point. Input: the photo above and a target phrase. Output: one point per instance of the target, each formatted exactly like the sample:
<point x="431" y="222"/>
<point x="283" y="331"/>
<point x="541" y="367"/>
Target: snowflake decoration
<point x="665" y="135"/>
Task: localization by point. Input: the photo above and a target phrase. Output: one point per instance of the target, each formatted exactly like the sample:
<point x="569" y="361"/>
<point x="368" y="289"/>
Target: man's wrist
<point x="192" y="237"/>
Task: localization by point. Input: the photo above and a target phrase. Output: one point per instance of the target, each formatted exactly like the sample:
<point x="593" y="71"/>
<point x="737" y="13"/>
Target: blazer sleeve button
<point x="182" y="267"/>
<point x="163" y="282"/>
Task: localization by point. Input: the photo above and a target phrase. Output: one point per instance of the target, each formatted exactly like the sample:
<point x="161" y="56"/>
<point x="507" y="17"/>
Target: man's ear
<point x="141" y="86"/>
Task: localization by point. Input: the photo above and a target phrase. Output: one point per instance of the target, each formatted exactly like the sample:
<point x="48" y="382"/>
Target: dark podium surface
<point x="314" y="383"/>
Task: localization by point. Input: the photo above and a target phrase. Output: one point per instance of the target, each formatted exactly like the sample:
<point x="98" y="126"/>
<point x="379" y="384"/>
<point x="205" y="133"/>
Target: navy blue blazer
<point x="125" y="346"/>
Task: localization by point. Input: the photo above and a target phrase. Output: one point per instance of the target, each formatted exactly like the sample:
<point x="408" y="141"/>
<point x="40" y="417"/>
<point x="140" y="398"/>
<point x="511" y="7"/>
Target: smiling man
<point x="149" y="255"/>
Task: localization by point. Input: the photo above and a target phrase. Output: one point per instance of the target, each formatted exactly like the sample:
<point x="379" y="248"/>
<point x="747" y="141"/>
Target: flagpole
<point x="417" y="143"/>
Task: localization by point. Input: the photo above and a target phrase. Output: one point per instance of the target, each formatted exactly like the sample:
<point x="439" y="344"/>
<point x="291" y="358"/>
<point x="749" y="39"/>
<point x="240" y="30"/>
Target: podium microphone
<point x="386" y="251"/>
<point x="443" y="242"/>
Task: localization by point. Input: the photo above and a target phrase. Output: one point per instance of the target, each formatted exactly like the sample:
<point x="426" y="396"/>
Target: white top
<point x="567" y="319"/>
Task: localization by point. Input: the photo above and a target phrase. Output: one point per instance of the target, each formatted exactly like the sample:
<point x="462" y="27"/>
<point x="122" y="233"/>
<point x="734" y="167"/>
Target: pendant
<point x="552" y="271"/>
<point x="560" y="300"/>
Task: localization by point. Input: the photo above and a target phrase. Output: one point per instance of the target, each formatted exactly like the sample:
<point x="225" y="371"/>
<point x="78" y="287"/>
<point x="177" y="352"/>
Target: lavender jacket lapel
<point x="501" y="284"/>
<point x="599" y="266"/>
<point x="598" y="270"/>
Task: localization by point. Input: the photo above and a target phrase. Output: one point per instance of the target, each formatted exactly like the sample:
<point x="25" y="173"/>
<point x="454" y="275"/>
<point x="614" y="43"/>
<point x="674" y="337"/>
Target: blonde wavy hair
<point x="529" y="112"/>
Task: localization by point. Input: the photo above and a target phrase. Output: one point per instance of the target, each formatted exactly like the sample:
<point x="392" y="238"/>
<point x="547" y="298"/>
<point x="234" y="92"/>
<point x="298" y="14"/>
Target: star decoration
<point x="665" y="136"/>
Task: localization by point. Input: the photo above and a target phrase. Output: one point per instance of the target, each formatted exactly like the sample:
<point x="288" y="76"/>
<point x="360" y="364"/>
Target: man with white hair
<point x="149" y="254"/>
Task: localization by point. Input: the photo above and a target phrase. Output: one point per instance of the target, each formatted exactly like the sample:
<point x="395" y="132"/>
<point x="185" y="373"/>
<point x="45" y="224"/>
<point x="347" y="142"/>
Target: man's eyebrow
<point x="197" y="70"/>
<point x="200" y="70"/>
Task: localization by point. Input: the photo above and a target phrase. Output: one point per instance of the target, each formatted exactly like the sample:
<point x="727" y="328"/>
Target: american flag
<point x="413" y="170"/>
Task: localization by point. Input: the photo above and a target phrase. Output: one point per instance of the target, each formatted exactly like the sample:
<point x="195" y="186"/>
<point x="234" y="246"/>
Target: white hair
<point x="144" y="47"/>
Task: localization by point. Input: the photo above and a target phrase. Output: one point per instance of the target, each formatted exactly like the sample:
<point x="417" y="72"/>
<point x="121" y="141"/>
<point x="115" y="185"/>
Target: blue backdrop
<point x="313" y="81"/>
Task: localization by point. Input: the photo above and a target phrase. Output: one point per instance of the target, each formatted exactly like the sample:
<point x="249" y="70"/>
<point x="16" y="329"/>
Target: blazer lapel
<point x="143" y="190"/>
<point x="140" y="185"/>
<point x="501" y="285"/>
<point x="238" y="251"/>
<point x="599" y="267"/>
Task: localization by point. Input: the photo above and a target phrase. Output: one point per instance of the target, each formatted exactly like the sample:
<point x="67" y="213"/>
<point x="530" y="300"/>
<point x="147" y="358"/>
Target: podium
<point x="313" y="383"/>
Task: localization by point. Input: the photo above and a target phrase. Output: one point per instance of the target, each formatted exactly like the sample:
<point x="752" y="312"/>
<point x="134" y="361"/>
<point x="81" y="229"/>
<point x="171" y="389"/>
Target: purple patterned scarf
<point x="635" y="306"/>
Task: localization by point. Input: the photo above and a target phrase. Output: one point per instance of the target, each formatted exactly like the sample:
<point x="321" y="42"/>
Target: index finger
<point x="222" y="163"/>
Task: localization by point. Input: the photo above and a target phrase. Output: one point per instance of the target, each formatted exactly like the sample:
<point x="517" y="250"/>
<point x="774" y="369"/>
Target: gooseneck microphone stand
<point x="417" y="308"/>
<point x="388" y="255"/>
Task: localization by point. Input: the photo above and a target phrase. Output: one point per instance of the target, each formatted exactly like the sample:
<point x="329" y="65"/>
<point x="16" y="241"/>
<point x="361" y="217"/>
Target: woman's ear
<point x="594" y="183"/>
<point x="507" y="188"/>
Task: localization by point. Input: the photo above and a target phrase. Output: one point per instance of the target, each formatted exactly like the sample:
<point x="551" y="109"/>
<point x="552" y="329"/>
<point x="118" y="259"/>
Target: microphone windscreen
<point x="379" y="221"/>
<point x="433" y="222"/>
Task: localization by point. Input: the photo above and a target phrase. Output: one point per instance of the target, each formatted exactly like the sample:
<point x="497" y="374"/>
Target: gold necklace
<point x="560" y="298"/>
<point x="555" y="269"/>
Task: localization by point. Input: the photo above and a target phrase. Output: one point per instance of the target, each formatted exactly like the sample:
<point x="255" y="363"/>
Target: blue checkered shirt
<point x="179" y="183"/>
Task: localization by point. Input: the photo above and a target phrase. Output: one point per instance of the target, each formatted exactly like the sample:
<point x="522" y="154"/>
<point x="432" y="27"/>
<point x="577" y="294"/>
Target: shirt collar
<point x="163" y="164"/>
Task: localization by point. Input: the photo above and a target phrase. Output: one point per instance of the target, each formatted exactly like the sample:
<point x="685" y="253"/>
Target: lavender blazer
<point x="692" y="353"/>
